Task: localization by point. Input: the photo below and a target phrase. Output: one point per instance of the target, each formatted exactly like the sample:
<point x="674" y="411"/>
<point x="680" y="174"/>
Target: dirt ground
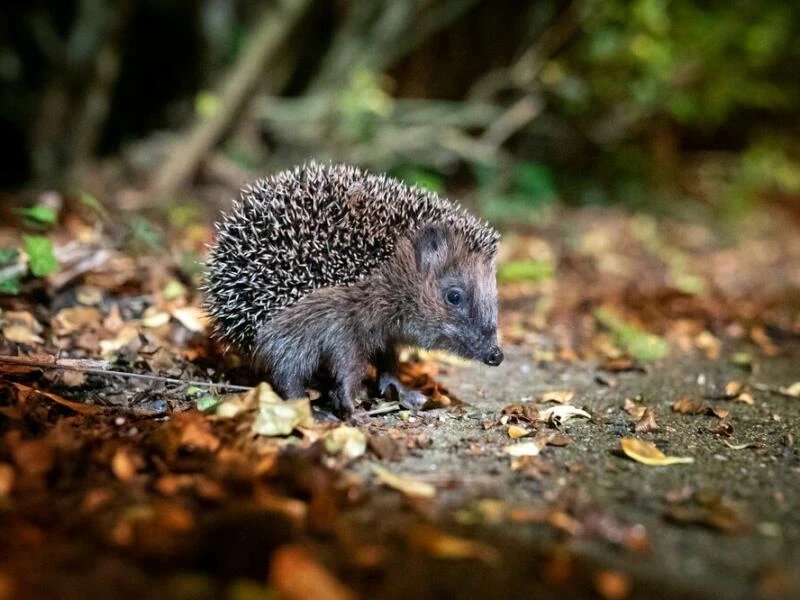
<point x="667" y="342"/>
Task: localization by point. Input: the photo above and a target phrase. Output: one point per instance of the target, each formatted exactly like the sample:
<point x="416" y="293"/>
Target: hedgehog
<point x="320" y="271"/>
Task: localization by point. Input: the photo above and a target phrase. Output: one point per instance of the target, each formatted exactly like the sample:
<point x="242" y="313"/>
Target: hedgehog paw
<point x="342" y="404"/>
<point x="394" y="391"/>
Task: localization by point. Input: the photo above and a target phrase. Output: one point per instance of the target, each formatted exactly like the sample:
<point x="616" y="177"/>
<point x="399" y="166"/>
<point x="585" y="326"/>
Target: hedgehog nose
<point x="494" y="356"/>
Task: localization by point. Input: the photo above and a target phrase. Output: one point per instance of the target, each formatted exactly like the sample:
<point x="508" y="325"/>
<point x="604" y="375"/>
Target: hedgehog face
<point x="458" y="311"/>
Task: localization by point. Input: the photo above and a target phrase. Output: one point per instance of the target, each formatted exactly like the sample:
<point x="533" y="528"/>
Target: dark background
<point x="650" y="102"/>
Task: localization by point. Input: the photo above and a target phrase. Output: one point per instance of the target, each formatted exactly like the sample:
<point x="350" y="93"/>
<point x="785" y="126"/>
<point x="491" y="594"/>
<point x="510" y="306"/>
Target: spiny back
<point x="311" y="227"/>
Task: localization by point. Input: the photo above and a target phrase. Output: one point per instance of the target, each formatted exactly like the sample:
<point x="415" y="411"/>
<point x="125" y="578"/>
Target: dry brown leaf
<point x="191" y="317"/>
<point x="443" y="546"/>
<point x="515" y="431"/>
<point x="634" y="409"/>
<point x="73" y="378"/>
<point x="526" y="411"/>
<point x="710" y="344"/>
<point x="733" y="389"/>
<point x="113" y="322"/>
<point x="647" y="453"/>
<point x="296" y="575"/>
<point x="89" y="295"/>
<point x="612" y="585"/>
<point x="523" y="449"/>
<point x="557" y="396"/>
<point x="154" y="318"/>
<point x="125" y="464"/>
<point x="792" y="390"/>
<point x="711" y="510"/>
<point x="746" y="398"/>
<point x="347" y="442"/>
<point x="408" y="486"/>
<point x="276" y="416"/>
<point x="6" y="479"/>
<point x="688" y="406"/>
<point x="24" y="393"/>
<point x="127" y="337"/>
<point x="647" y="422"/>
<point x="21" y="327"/>
<point x="69" y="320"/>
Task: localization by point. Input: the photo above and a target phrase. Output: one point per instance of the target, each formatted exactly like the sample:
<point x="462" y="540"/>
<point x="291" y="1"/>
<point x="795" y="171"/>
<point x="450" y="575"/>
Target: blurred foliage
<point x="41" y="259"/>
<point x="640" y="101"/>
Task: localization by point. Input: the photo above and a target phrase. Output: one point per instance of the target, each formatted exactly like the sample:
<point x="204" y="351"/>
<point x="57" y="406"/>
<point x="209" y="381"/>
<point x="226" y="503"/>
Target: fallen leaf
<point x="556" y="416"/>
<point x="347" y="442"/>
<point x="733" y="389"/>
<point x="24" y="392"/>
<point x="710" y="344"/>
<point x="647" y="423"/>
<point x="711" y="510"/>
<point x="634" y="409"/>
<point x="408" y="486"/>
<point x="792" y="390"/>
<point x="279" y="417"/>
<point x="643" y="346"/>
<point x="559" y="397"/>
<point x="124" y="464"/>
<point x="295" y="574"/>
<point x="612" y="585"/>
<point x="21" y="327"/>
<point x="688" y="406"/>
<point x="746" y="398"/>
<point x="191" y="317"/>
<point x="523" y="449"/>
<point x="154" y="318"/>
<point x="724" y="429"/>
<point x="647" y="453"/>
<point x="6" y="479"/>
<point x="127" y="337"/>
<point x="73" y="378"/>
<point x="89" y="295"/>
<point x="69" y="320"/>
<point x="515" y="431"/>
<point x="526" y="411"/>
<point x="443" y="546"/>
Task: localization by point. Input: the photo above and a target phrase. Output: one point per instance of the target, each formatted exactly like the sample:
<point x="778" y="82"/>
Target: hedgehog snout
<point x="494" y="356"/>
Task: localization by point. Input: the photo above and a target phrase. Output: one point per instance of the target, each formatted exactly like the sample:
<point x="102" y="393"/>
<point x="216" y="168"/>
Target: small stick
<point x="95" y="367"/>
<point x="382" y="410"/>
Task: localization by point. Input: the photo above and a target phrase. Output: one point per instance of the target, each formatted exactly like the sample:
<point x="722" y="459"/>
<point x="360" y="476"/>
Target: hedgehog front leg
<point x="389" y="385"/>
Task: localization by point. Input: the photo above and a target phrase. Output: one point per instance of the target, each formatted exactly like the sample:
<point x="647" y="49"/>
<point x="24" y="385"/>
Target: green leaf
<point x="643" y="346"/>
<point x="525" y="270"/>
<point x="8" y="255"/>
<point x="93" y="203"/>
<point x="39" y="213"/>
<point x="207" y="403"/>
<point x="41" y="259"/>
<point x="10" y="286"/>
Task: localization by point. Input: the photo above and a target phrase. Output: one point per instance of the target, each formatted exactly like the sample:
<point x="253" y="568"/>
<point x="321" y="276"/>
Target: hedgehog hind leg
<point x="389" y="385"/>
<point x="348" y="372"/>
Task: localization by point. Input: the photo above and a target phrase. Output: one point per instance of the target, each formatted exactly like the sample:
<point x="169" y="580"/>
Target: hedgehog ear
<point x="431" y="246"/>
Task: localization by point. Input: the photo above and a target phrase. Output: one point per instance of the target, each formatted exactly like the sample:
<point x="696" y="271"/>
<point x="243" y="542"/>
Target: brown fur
<point x="337" y="331"/>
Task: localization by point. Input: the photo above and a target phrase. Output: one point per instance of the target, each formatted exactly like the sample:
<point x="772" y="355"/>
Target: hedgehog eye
<point x="454" y="297"/>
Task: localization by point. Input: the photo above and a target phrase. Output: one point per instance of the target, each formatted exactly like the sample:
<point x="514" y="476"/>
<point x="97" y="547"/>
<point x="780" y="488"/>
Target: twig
<point x="268" y="36"/>
<point x="96" y="367"/>
<point x="389" y="407"/>
<point x="519" y="114"/>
